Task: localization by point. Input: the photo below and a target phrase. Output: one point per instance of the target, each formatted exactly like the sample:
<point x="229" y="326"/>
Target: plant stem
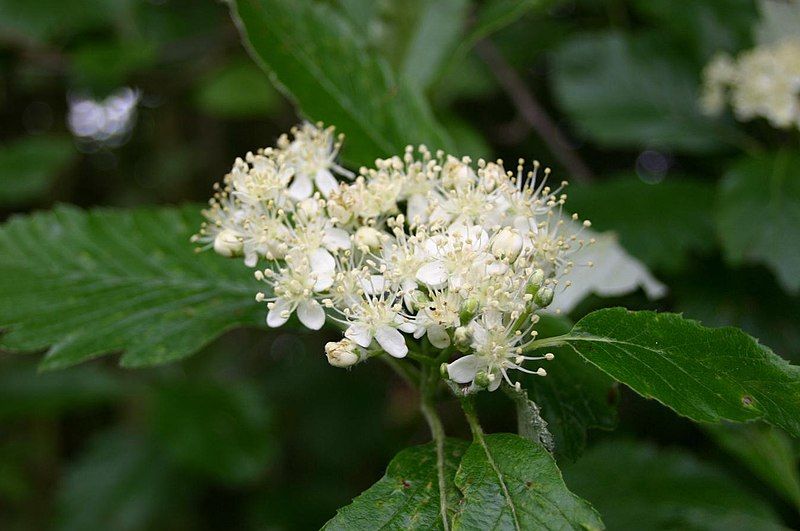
<point x="468" y="406"/>
<point x="408" y="373"/>
<point x="532" y="111"/>
<point x="428" y="383"/>
<point x="555" y="341"/>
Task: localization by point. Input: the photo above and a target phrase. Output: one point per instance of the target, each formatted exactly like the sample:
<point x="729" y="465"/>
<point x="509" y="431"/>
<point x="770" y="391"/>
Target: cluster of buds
<point x="421" y="250"/>
<point x="762" y="82"/>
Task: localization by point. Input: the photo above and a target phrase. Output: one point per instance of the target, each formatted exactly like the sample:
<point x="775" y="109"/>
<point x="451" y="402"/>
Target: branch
<point x="532" y="111"/>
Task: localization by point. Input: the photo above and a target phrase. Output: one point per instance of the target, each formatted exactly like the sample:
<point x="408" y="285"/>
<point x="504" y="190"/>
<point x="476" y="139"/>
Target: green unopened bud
<point x="461" y="337"/>
<point x="483" y="379"/>
<point x="468" y="310"/>
<point x="535" y="283"/>
<point x="418" y="299"/>
<point x="443" y="371"/>
<point x="544" y="297"/>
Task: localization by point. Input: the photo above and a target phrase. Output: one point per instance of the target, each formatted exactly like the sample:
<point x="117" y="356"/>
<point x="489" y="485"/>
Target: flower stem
<point x="428" y="406"/>
<point x="408" y="373"/>
<point x="468" y="406"/>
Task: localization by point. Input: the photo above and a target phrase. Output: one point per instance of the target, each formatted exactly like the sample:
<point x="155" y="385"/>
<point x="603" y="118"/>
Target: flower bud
<point x="544" y="297"/>
<point x="468" y="310"/>
<point x="492" y="175"/>
<point x="507" y="244"/>
<point x="417" y="300"/>
<point x="342" y="353"/>
<point x="336" y="209"/>
<point x="456" y="174"/>
<point x="462" y="337"/>
<point x="483" y="379"/>
<point x="536" y="281"/>
<point x="227" y="243"/>
<point x="308" y="208"/>
<point x="368" y="237"/>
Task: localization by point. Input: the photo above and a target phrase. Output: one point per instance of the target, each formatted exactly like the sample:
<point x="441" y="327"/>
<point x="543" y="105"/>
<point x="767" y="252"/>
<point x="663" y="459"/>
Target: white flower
<point x="456" y="258"/>
<point x="761" y="82"/>
<point x="378" y="319"/>
<point x="295" y="287"/>
<point x="311" y="154"/>
<point x="498" y="348"/>
<point x="420" y="247"/>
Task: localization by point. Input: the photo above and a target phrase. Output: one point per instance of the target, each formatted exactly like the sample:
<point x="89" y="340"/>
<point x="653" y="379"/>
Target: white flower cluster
<point x="762" y="82"/>
<point x="423" y="249"/>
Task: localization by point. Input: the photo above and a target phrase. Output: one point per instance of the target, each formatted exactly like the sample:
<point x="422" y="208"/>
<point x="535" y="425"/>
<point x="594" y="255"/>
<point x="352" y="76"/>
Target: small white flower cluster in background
<point x="762" y="82"/>
<point x="422" y="250"/>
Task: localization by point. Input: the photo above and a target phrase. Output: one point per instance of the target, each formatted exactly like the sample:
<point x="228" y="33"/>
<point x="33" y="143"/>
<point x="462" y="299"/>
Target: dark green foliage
<point x="89" y="283"/>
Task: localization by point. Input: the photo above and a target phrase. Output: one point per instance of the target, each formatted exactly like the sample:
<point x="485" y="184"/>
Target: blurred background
<point x="129" y="102"/>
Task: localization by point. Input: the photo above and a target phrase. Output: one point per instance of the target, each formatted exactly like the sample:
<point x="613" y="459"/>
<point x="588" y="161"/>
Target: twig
<point x="531" y="111"/>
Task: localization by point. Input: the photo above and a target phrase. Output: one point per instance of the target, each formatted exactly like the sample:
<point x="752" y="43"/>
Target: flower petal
<point x="463" y="369"/>
<point x="279" y="313"/>
<point x="311" y="314"/>
<point x="323" y="282"/>
<point x="301" y="187"/>
<point x="433" y="274"/>
<point x="417" y="209"/>
<point x="322" y="261"/>
<point x="374" y="285"/>
<point x="392" y="341"/>
<point x="359" y="333"/>
<point x="438" y="336"/>
<point x="325" y="181"/>
<point x="335" y="239"/>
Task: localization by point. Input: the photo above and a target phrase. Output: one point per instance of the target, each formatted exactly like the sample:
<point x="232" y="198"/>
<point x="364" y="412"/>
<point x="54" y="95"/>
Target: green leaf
<point x="494" y="15"/>
<point x="574" y="397"/>
<point x="512" y="483"/>
<point x="237" y="90"/>
<point x="702" y="29"/>
<point x="217" y="430"/>
<point x="29" y="165"/>
<point x="103" y="66"/>
<point x="418" y="36"/>
<point x="625" y="92"/>
<point x="625" y="205"/>
<point x="407" y="497"/>
<point x="759" y="214"/>
<point x="316" y="58"/>
<point x="35" y="23"/>
<point x="706" y="374"/>
<point x="766" y="451"/>
<point x="636" y="486"/>
<point x="90" y="283"/>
